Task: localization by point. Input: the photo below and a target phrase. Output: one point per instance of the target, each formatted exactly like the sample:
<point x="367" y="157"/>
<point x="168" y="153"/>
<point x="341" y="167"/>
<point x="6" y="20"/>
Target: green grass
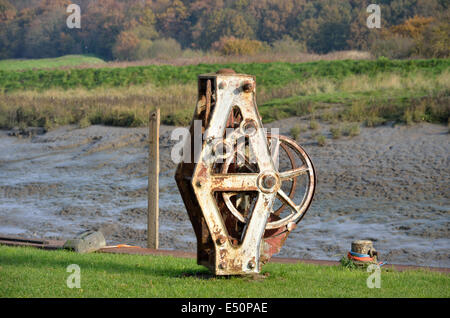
<point x="269" y="75"/>
<point x="48" y="63"/>
<point x="371" y="108"/>
<point x="28" y="272"/>
<point x="369" y="92"/>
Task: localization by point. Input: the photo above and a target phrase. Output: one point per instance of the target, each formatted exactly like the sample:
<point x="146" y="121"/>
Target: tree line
<point x="139" y="29"/>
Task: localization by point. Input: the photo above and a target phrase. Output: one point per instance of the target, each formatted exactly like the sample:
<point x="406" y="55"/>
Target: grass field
<point x="28" y="272"/>
<point x="269" y="75"/>
<point x="49" y="63"/>
<point x="364" y="91"/>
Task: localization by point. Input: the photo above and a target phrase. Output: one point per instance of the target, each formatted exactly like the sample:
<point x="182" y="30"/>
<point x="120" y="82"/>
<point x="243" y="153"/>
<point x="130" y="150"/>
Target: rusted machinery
<point x="239" y="182"/>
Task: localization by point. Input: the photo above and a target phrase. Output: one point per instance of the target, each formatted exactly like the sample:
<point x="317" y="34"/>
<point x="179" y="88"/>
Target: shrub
<point x="412" y="27"/>
<point x="435" y="41"/>
<point x="233" y="46"/>
<point x="403" y="40"/>
<point x="164" y="48"/>
<point x="351" y="130"/>
<point x="336" y="132"/>
<point x="143" y="49"/>
<point x="321" y="140"/>
<point x="123" y="118"/>
<point x="313" y="125"/>
<point x="179" y="118"/>
<point x="303" y="108"/>
<point x="407" y="117"/>
<point x="347" y="263"/>
<point x="189" y="53"/>
<point x="295" y="131"/>
<point x="329" y="116"/>
<point x="84" y="122"/>
<point x="356" y="112"/>
<point x="288" y="45"/>
<point x="130" y="47"/>
<point x="373" y="121"/>
<point x="395" y="47"/>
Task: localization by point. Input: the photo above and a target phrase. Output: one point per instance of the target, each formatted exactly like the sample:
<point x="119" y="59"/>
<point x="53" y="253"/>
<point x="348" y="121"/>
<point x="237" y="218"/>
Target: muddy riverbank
<point x="389" y="184"/>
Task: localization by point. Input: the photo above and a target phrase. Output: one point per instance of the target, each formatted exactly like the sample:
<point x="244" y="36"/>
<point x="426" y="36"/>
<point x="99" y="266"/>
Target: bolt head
<point x="247" y="87"/>
<point x="220" y="240"/>
<point x="269" y="181"/>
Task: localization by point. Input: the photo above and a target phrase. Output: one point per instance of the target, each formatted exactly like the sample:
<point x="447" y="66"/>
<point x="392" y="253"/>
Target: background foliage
<point x="139" y="29"/>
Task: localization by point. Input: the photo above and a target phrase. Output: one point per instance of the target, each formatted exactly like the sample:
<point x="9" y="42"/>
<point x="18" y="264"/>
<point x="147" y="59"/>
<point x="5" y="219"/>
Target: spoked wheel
<point x="299" y="166"/>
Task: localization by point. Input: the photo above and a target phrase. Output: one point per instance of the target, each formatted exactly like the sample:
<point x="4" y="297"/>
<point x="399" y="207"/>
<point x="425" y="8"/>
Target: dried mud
<point x="390" y="184"/>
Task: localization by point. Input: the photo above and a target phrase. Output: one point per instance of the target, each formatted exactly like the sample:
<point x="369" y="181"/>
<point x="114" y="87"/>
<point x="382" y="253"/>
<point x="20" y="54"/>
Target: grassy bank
<point x="363" y="99"/>
<point x="49" y="63"/>
<point x="28" y="272"/>
<point x="268" y="75"/>
<point x="370" y="92"/>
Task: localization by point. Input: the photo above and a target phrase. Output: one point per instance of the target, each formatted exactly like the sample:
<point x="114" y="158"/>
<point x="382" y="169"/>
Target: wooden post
<point x="365" y="247"/>
<point x="362" y="246"/>
<point x="153" y="181"/>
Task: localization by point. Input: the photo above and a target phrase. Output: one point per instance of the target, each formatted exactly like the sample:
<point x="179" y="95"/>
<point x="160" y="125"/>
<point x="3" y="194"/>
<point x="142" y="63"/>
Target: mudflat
<point x="389" y="184"/>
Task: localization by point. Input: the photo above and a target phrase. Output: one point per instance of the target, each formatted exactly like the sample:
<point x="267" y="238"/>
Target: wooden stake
<point x="365" y="247"/>
<point x="153" y="181"/>
<point x="362" y="246"/>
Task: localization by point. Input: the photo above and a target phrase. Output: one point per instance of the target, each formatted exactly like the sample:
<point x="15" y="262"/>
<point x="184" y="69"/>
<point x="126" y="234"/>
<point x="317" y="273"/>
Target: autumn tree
<point x="103" y="21"/>
<point x="412" y="27"/>
<point x="46" y="33"/>
<point x="229" y="45"/>
<point x="134" y="29"/>
<point x="173" y="22"/>
<point x="435" y="40"/>
<point x="224" y="23"/>
<point x="7" y="11"/>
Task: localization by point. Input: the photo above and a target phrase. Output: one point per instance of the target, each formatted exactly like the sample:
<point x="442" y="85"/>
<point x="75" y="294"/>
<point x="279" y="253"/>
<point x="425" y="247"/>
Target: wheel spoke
<point x="233" y="210"/>
<point x="234" y="182"/>
<point x="286" y="175"/>
<point x="287" y="200"/>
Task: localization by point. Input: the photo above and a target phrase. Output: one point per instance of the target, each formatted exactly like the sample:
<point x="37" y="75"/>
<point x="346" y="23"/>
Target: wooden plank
<point x="153" y="181"/>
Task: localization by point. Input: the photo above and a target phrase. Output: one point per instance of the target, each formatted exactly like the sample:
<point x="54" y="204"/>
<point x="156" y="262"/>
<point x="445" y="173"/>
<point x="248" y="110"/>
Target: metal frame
<point x="207" y="193"/>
